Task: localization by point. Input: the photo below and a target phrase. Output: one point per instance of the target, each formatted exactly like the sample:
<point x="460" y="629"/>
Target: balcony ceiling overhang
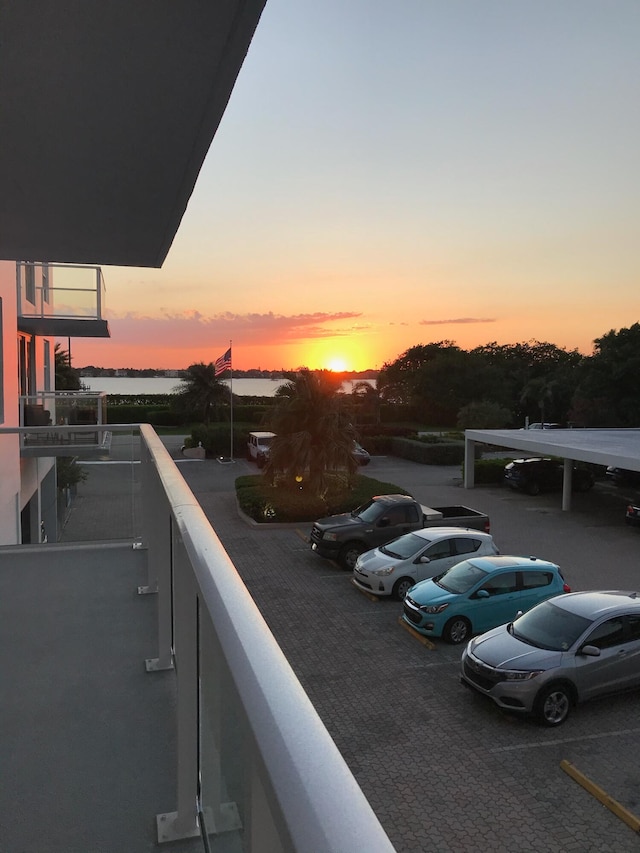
<point x="64" y="327"/>
<point x="107" y="111"/>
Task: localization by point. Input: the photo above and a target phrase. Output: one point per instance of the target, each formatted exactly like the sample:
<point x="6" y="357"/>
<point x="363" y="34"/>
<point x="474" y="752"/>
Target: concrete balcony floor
<point x="87" y="746"/>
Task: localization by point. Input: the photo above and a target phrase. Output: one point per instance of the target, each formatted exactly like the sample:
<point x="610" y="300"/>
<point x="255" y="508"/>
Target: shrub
<point x="378" y="444"/>
<point x="290" y="502"/>
<point x="216" y="439"/>
<point x="444" y="453"/>
<point x="489" y="470"/>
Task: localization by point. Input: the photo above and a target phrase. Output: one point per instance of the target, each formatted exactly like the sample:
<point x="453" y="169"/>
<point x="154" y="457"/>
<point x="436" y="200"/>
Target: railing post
<point x="183" y="823"/>
<point x="98" y="294"/>
<point x="156" y="524"/>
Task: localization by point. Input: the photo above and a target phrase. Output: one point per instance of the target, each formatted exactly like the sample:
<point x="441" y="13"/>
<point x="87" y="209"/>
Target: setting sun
<point x="337" y="365"/>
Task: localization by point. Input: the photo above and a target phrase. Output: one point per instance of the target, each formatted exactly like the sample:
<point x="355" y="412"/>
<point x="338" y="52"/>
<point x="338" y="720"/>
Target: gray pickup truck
<point x="385" y="517"/>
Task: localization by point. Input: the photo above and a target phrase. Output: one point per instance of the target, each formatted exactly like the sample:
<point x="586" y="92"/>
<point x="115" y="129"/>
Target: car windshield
<point x="405" y="546"/>
<point x="461" y="578"/>
<point x="266" y="442"/>
<point x="368" y="512"/>
<point x="547" y="626"/>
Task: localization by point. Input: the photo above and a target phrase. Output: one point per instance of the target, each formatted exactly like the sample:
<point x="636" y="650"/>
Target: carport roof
<point x="618" y="447"/>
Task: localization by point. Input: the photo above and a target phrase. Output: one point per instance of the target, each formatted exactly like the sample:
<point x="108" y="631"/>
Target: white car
<point x="392" y="569"/>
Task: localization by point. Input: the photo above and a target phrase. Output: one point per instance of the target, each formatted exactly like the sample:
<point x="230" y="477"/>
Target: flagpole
<point x="231" y="392"/>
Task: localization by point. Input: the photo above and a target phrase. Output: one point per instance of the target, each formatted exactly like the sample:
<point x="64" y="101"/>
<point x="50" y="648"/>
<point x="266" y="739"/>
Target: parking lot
<point x="445" y="769"/>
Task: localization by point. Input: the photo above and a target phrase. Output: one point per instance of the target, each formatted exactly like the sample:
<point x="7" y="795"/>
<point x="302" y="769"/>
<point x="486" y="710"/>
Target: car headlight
<point x="433" y="608"/>
<point x="520" y="674"/>
<point x="330" y="537"/>
<point x="387" y="570"/>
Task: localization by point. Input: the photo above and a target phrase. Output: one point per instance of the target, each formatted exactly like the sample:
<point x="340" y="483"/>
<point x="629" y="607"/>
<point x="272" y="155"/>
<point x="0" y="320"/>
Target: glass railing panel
<point x="223" y="739"/>
<point x="57" y="290"/>
<point x="103" y="501"/>
<point x="63" y="408"/>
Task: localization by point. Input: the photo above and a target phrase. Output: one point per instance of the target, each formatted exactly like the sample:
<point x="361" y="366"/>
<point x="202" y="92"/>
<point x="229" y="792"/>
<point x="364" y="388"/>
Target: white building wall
<point x="20" y="479"/>
<point x="9" y="444"/>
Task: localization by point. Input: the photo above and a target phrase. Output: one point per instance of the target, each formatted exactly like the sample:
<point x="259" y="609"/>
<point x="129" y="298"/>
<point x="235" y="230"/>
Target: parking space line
<point x="557" y="741"/>
<point x="424" y="640"/>
<point x="364" y="592"/>
<point x="613" y="805"/>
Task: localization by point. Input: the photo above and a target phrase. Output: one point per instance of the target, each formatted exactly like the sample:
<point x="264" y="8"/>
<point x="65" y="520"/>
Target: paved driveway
<point x="443" y="768"/>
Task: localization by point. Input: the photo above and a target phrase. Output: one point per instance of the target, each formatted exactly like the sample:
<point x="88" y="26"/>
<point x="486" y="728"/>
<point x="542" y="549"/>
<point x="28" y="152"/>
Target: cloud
<point x="191" y="328"/>
<point x="460" y="321"/>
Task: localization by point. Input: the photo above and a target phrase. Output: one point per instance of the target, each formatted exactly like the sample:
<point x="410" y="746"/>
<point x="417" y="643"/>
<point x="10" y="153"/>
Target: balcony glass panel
<point x="60" y="291"/>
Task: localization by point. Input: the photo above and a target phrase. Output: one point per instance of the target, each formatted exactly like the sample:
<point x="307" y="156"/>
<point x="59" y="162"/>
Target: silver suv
<point x="258" y="447"/>
<point x="566" y="650"/>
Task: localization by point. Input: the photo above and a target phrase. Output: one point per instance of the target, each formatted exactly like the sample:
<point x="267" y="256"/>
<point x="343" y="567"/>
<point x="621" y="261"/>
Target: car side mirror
<point x="590" y="651"/>
<point x="384" y="521"/>
<point x="482" y="593"/>
<point x="519" y="614"/>
<point x="424" y="559"/>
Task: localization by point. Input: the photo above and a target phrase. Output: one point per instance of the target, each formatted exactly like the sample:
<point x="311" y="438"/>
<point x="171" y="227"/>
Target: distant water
<point x="165" y="385"/>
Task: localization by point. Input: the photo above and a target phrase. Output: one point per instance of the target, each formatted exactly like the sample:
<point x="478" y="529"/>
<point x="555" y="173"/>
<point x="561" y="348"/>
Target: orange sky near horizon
<point x="481" y="184"/>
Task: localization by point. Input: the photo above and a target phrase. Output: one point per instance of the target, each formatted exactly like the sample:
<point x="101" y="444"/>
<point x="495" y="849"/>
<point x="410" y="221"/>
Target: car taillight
<point x="566" y="587"/>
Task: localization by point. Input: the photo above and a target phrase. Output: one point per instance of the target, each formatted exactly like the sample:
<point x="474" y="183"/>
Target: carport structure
<point x="618" y="447"/>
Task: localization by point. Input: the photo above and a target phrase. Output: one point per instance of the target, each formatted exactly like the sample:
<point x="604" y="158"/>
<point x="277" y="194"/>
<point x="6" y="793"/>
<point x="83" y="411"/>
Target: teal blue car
<point x="479" y="594"/>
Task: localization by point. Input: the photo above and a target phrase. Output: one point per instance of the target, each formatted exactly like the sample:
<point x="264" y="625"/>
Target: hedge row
<point x="445" y="453"/>
<point x="264" y="503"/>
<point x="138" y="413"/>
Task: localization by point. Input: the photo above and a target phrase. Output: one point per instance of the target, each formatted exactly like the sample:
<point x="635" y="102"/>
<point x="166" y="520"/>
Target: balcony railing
<point x="61" y="299"/>
<point x="62" y="418"/>
<point x="254" y="760"/>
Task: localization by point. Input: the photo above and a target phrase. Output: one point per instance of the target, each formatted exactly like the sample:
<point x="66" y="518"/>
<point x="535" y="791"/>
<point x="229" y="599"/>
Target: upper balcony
<point x="61" y="300"/>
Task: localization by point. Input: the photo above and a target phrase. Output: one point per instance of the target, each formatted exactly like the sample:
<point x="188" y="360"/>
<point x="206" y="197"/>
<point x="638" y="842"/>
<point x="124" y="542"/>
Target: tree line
<point x="500" y="385"/>
<point x="491" y="386"/>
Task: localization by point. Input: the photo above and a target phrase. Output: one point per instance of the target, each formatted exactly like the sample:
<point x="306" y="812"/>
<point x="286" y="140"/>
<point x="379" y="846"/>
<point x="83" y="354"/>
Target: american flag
<point x="223" y="363"/>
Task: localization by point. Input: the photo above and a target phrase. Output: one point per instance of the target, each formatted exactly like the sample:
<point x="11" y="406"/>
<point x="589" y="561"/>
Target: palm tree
<point x="67" y="377"/>
<point x="368" y="397"/>
<point x="539" y="391"/>
<point x="314" y="434"/>
<point x="200" y="390"/>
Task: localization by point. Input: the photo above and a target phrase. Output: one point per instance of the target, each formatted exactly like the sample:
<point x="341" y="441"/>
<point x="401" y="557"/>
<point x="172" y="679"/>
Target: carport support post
<point x="469" y="462"/>
<point x="566" y="484"/>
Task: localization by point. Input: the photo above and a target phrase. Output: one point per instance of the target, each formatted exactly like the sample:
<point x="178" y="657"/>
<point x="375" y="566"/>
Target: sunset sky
<point x="394" y="172"/>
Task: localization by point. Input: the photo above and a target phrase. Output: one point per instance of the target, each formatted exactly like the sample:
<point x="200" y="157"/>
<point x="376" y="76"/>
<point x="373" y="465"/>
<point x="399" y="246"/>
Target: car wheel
<point x="348" y="555"/>
<point x="553" y="704"/>
<point x="533" y="488"/>
<point x="402" y="587"/>
<point x="457" y="630"/>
